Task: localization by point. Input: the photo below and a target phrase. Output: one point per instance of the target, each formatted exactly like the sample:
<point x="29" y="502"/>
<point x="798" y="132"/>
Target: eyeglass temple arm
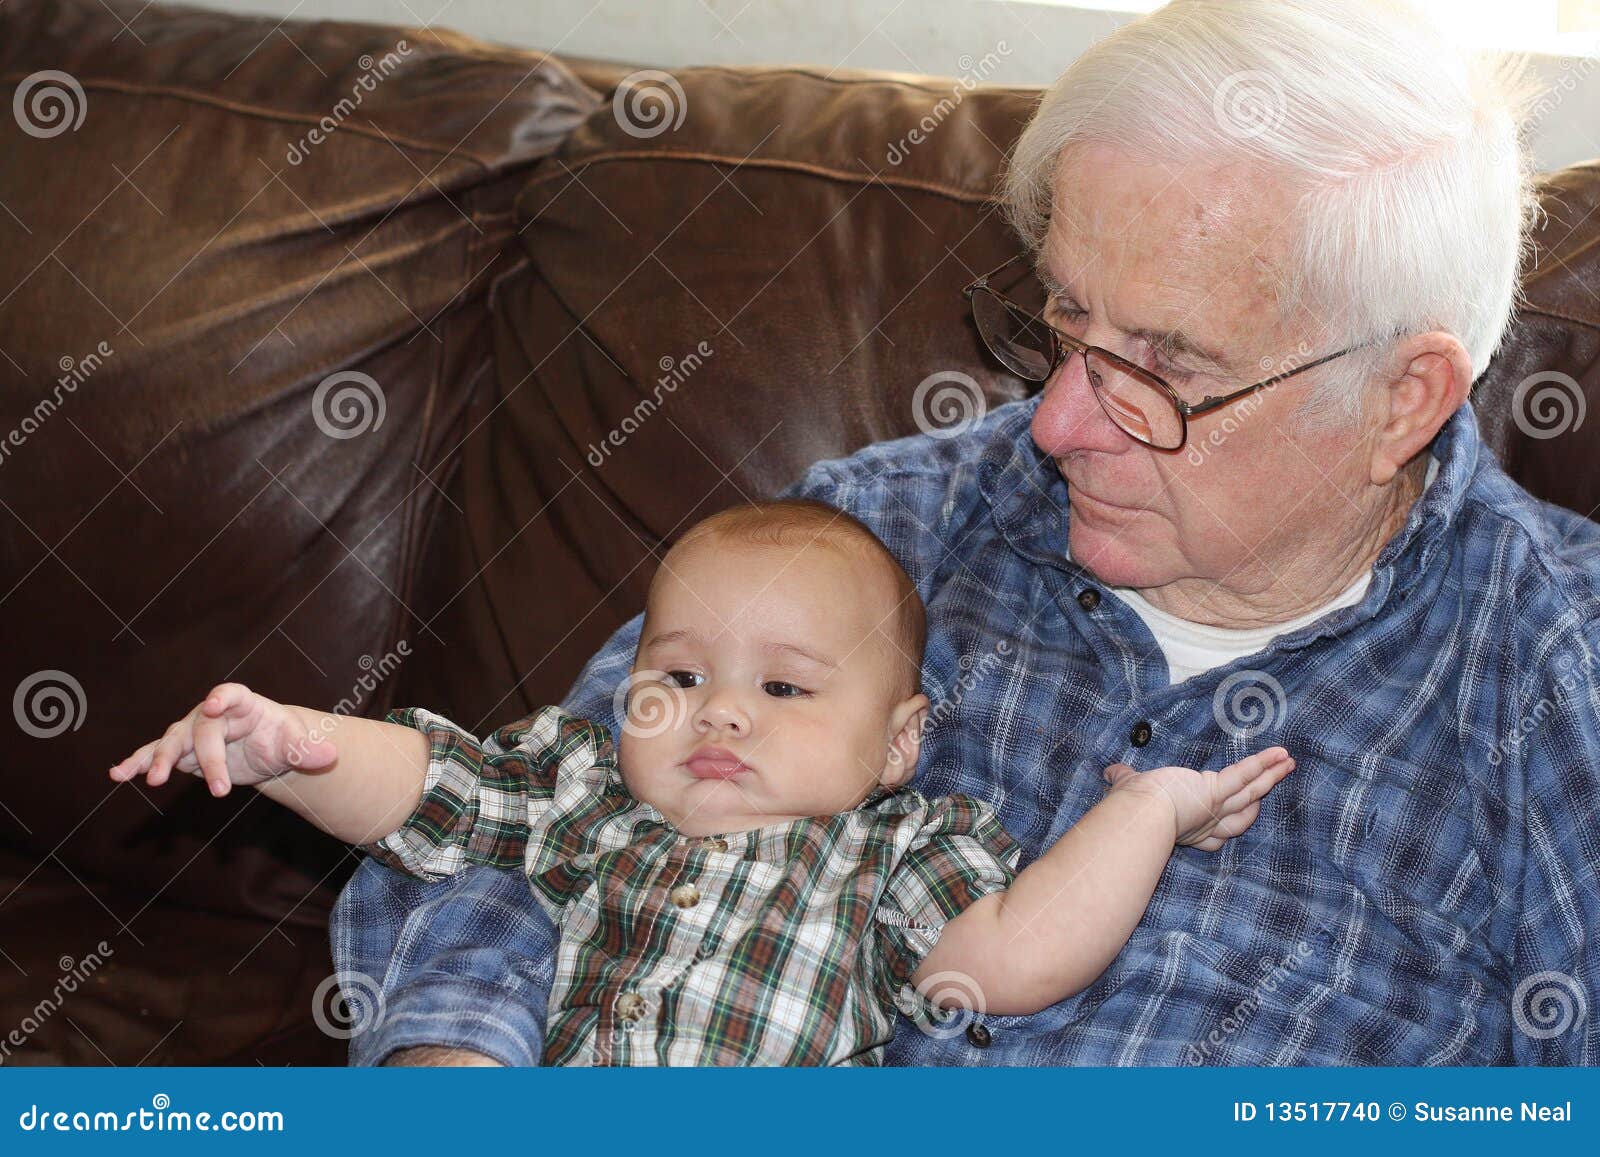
<point x="983" y="280"/>
<point x="1205" y="405"/>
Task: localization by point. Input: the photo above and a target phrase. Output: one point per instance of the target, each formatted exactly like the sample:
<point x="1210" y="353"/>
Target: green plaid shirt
<point x="792" y="944"/>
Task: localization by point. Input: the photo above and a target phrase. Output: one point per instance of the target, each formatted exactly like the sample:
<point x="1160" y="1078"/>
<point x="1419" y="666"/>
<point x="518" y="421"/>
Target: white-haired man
<point x="1280" y="239"/>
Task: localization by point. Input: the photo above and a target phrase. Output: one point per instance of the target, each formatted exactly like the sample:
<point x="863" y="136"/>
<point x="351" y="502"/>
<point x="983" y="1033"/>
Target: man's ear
<point x="1429" y="378"/>
<point x="906" y="722"/>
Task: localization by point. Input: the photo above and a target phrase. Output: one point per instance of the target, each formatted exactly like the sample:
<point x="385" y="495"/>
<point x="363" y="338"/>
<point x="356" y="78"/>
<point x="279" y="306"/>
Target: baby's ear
<point x="906" y="722"/>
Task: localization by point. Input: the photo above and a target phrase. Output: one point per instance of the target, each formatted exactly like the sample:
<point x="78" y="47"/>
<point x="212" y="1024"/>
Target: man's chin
<point x="1117" y="559"/>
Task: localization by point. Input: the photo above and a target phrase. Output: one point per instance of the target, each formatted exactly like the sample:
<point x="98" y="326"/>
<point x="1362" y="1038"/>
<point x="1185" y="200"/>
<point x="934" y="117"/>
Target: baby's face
<point x="766" y="687"/>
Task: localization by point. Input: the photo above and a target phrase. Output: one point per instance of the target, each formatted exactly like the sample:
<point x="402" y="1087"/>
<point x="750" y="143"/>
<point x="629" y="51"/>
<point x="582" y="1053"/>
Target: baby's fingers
<point x="135" y="763"/>
<point x="171" y="750"/>
<point x="1261" y="782"/>
<point x="1235" y="823"/>
<point x="211" y="752"/>
<point x="1231" y="778"/>
<point x="225" y="697"/>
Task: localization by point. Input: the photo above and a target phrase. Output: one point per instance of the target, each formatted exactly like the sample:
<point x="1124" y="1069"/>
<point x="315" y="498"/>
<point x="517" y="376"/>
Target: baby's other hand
<point x="1209" y="807"/>
<point x="233" y="736"/>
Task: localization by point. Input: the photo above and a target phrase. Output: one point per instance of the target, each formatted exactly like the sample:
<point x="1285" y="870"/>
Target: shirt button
<point x="1140" y="735"/>
<point x="684" y="895"/>
<point x="583" y="861"/>
<point x="629" y="1006"/>
<point x="715" y="844"/>
<point x="978" y="1036"/>
<point x="1089" y="599"/>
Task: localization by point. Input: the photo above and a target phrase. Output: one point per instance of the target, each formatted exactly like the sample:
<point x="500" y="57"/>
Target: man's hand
<point x="1209" y="808"/>
<point x="233" y="736"/>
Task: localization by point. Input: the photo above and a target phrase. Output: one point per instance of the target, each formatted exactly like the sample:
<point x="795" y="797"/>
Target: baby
<point x="747" y="879"/>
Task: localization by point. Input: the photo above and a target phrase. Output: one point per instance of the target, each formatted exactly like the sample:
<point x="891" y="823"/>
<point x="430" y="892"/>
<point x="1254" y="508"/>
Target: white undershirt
<point x="1191" y="648"/>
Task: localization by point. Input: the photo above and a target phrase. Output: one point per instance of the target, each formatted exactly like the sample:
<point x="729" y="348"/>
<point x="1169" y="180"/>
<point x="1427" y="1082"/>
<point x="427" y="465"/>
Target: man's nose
<point x="722" y="709"/>
<point x="1070" y="417"/>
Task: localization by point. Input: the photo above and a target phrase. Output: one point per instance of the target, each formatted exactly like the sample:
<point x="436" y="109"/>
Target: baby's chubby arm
<point x="356" y="779"/>
<point x="1067" y="915"/>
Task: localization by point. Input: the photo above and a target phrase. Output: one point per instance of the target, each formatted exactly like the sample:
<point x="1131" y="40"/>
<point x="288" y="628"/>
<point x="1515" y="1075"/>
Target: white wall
<point x="926" y="36"/>
<point x="1026" y="41"/>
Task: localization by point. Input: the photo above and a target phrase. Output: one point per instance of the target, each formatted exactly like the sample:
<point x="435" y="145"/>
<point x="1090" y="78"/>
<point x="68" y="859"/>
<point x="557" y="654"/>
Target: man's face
<point x="782" y="658"/>
<point x="1137" y="247"/>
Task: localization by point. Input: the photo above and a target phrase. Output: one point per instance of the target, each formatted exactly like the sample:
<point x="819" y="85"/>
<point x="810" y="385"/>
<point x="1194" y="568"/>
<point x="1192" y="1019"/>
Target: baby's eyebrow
<point x="684" y="634"/>
<point x="795" y="648"/>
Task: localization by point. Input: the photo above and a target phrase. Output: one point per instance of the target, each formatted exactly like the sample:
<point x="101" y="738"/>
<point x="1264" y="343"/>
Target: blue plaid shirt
<point x="1421" y="891"/>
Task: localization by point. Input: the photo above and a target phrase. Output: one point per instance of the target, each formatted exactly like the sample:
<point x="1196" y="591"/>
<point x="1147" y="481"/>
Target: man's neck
<point x="1298" y="585"/>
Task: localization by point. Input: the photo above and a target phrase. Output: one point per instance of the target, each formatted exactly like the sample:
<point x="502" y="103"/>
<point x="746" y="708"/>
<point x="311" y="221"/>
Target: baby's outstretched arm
<point x="1067" y="915"/>
<point x="356" y="779"/>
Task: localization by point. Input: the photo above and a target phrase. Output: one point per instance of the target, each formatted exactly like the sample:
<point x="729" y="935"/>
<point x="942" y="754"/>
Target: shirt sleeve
<point x="1555" y="1001"/>
<point x="481" y="800"/>
<point x="960" y="854"/>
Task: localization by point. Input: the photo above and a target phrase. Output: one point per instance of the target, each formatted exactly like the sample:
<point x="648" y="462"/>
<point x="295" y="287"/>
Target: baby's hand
<point x="1210" y="807"/>
<point x="233" y="736"/>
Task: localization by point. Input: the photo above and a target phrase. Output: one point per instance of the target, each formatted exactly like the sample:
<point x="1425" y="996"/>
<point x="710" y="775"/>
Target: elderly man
<point x="1249" y="506"/>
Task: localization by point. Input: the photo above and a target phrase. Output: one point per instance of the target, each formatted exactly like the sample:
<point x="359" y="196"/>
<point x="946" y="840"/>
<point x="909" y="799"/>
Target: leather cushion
<point x="824" y="282"/>
<point x="182" y="517"/>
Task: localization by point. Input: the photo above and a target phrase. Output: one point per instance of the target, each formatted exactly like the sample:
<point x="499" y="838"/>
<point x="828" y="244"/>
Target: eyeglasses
<point x="1140" y="403"/>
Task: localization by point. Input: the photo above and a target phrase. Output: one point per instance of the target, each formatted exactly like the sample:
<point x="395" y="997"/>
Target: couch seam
<point x="1558" y="315"/>
<point x="954" y="192"/>
<point x="819" y="78"/>
<point x="195" y="97"/>
<point x="411" y="537"/>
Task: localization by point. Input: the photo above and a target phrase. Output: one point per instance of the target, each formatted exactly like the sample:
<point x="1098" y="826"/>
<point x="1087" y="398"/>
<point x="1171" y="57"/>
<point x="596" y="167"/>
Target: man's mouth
<point x="1079" y="495"/>
<point x="714" y="763"/>
<point x="1092" y="500"/>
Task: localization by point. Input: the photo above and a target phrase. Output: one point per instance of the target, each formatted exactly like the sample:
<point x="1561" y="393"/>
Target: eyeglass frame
<point x="1063" y="345"/>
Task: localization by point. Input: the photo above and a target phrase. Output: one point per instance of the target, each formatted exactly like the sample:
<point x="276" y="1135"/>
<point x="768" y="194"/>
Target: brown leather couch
<point x="208" y="291"/>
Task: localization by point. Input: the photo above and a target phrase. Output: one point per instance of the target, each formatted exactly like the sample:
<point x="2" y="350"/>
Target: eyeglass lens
<point x="1026" y="346"/>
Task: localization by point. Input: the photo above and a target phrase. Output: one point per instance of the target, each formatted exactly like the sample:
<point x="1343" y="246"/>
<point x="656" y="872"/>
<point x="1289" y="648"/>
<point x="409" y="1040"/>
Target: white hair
<point x="1402" y="152"/>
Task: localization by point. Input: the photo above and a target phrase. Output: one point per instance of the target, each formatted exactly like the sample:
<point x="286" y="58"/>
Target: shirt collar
<point x="1028" y="499"/>
<point x="876" y="796"/>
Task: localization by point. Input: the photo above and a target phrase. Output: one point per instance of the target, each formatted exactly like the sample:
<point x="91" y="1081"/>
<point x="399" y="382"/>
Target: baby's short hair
<point x="782" y="520"/>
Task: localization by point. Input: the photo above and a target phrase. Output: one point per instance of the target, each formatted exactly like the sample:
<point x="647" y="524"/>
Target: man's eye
<point x="1157" y="364"/>
<point x="685" y="679"/>
<point x="1173" y="373"/>
<point x="1068" y="315"/>
<point x="781" y="690"/>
